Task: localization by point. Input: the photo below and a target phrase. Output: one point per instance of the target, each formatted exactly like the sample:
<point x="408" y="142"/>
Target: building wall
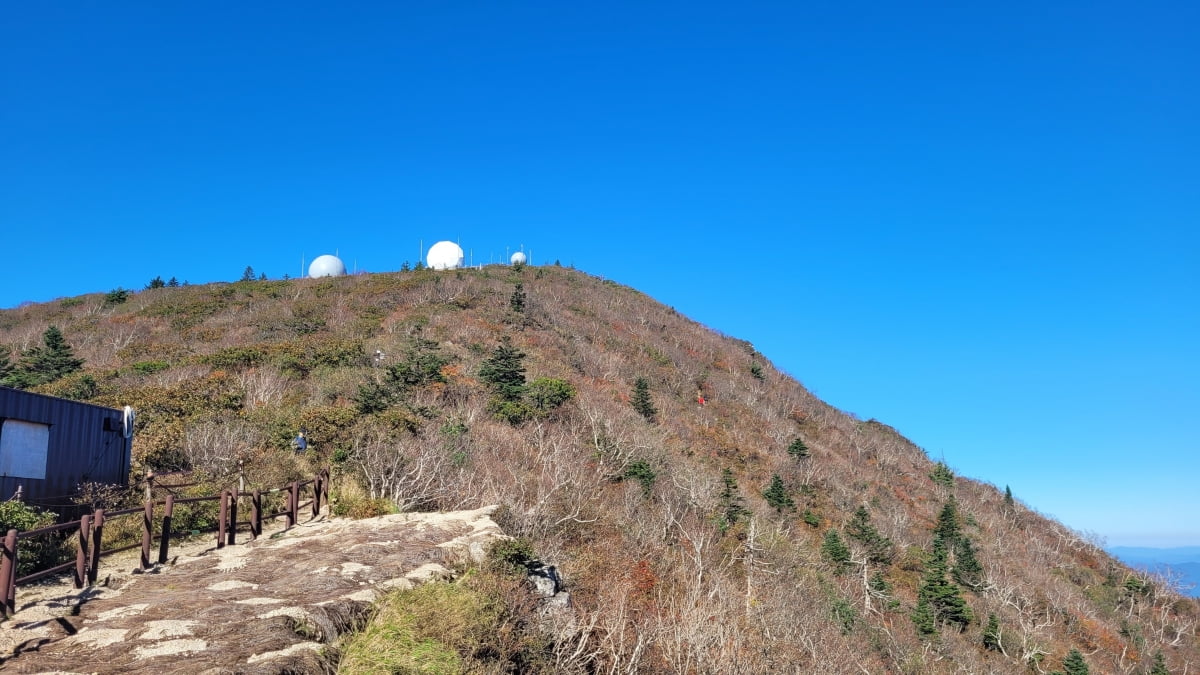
<point x="84" y="443"/>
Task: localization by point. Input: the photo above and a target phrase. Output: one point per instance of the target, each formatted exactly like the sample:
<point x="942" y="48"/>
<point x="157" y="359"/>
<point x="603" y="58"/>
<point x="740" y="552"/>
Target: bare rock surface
<point x="268" y="606"/>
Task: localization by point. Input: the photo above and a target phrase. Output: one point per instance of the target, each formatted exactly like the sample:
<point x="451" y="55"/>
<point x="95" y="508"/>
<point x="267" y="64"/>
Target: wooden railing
<point x="89" y="550"/>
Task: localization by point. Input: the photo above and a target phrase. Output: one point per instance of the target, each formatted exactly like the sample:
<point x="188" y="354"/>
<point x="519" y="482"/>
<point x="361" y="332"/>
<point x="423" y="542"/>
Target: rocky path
<point x="269" y="606"/>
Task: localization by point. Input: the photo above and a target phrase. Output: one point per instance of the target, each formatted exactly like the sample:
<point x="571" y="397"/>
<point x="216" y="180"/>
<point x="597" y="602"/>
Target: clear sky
<point x="978" y="224"/>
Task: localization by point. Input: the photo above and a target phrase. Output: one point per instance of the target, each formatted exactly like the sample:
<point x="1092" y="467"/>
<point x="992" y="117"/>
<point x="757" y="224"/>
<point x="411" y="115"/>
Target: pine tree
<point x="967" y="570"/>
<point x="173" y="283"/>
<point x="943" y="597"/>
<point x="731" y="503"/>
<point x="116" y="296"/>
<point x="777" y="496"/>
<point x="40" y="365"/>
<point x="1008" y="498"/>
<point x="947" y="525"/>
<point x="942" y="475"/>
<point x="248" y="274"/>
<point x="835" y="551"/>
<point x="1074" y="663"/>
<point x="991" y="634"/>
<point x="156" y="282"/>
<point x="641" y="400"/>
<point x="6" y="366"/>
<point x="1160" y="665"/>
<point x="504" y="370"/>
<point x="880" y="549"/>
<point x="798" y="449"/>
<point x="517" y="301"/>
<point x="923" y="619"/>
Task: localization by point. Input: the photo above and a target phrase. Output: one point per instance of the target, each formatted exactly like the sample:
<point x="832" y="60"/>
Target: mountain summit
<point x="706" y="512"/>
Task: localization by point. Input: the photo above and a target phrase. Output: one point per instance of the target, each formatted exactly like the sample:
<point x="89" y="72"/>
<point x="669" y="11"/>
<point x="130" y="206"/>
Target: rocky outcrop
<point x="269" y="606"/>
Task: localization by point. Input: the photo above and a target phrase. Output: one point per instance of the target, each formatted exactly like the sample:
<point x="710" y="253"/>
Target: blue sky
<point x="976" y="224"/>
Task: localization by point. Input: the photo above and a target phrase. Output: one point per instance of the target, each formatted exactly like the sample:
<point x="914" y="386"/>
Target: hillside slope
<point x="695" y="537"/>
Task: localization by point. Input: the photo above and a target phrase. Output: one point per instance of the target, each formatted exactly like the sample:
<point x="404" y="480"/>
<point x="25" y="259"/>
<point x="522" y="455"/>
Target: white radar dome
<point x="326" y="266"/>
<point x="444" y="255"/>
<point x="518" y="258"/>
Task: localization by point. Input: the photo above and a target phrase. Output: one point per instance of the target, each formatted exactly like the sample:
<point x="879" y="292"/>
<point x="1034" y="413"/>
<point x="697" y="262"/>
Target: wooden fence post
<point x="85" y="531"/>
<point x="233" y="504"/>
<point x="293" y="503"/>
<point x="164" y="542"/>
<point x="97" y="537"/>
<point x="316" y="505"/>
<point x="256" y="515"/>
<point x="147" y="533"/>
<point x="224" y="515"/>
<point x="8" y="575"/>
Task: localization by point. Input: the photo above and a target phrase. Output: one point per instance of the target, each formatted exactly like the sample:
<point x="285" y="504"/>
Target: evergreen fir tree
<point x="923" y="618"/>
<point x="1074" y="663"/>
<point x="156" y="282"/>
<point x="116" y="296"/>
<point x="173" y="283"/>
<point x="731" y="503"/>
<point x="504" y="370"/>
<point x="404" y="266"/>
<point x="880" y="549"/>
<point x="248" y="274"/>
<point x="991" y="634"/>
<point x="40" y="365"/>
<point x="262" y="277"/>
<point x="641" y="400"/>
<point x="6" y="366"/>
<point x="517" y="301"/>
<point x="777" y="496"/>
<point x="835" y="551"/>
<point x="798" y="449"/>
<point x="1160" y="665"/>
<point x="967" y="570"/>
<point x="943" y="596"/>
<point x="942" y="475"/>
<point x="947" y="525"/>
<point x="1008" y="498"/>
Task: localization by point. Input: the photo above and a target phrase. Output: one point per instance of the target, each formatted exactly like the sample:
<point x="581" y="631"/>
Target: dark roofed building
<point x="49" y="446"/>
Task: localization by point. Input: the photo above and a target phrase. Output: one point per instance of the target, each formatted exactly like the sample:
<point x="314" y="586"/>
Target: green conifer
<point x="48" y="363"/>
<point x="1159" y="667"/>
<point x="6" y="366"/>
<point x="641" y="400"/>
<point x="504" y="370"/>
<point x="777" y="496"/>
<point x="835" y="551"/>
<point x="1074" y="663"/>
<point x="731" y="503"/>
<point x="880" y="549"/>
<point x="517" y="301"/>
<point x="947" y="525"/>
<point x="991" y="634"/>
<point x="967" y="570"/>
<point x="798" y="449"/>
<point x="943" y="596"/>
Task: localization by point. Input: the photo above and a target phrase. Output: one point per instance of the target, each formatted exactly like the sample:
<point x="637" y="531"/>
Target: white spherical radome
<point x="444" y="255"/>
<point x="518" y="258"/>
<point x="326" y="266"/>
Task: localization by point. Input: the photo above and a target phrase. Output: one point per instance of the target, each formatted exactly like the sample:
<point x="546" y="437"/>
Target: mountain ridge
<point x="659" y="522"/>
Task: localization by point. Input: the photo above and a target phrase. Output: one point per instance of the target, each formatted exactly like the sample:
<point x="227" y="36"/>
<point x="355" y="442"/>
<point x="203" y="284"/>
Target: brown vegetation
<point x="671" y="568"/>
